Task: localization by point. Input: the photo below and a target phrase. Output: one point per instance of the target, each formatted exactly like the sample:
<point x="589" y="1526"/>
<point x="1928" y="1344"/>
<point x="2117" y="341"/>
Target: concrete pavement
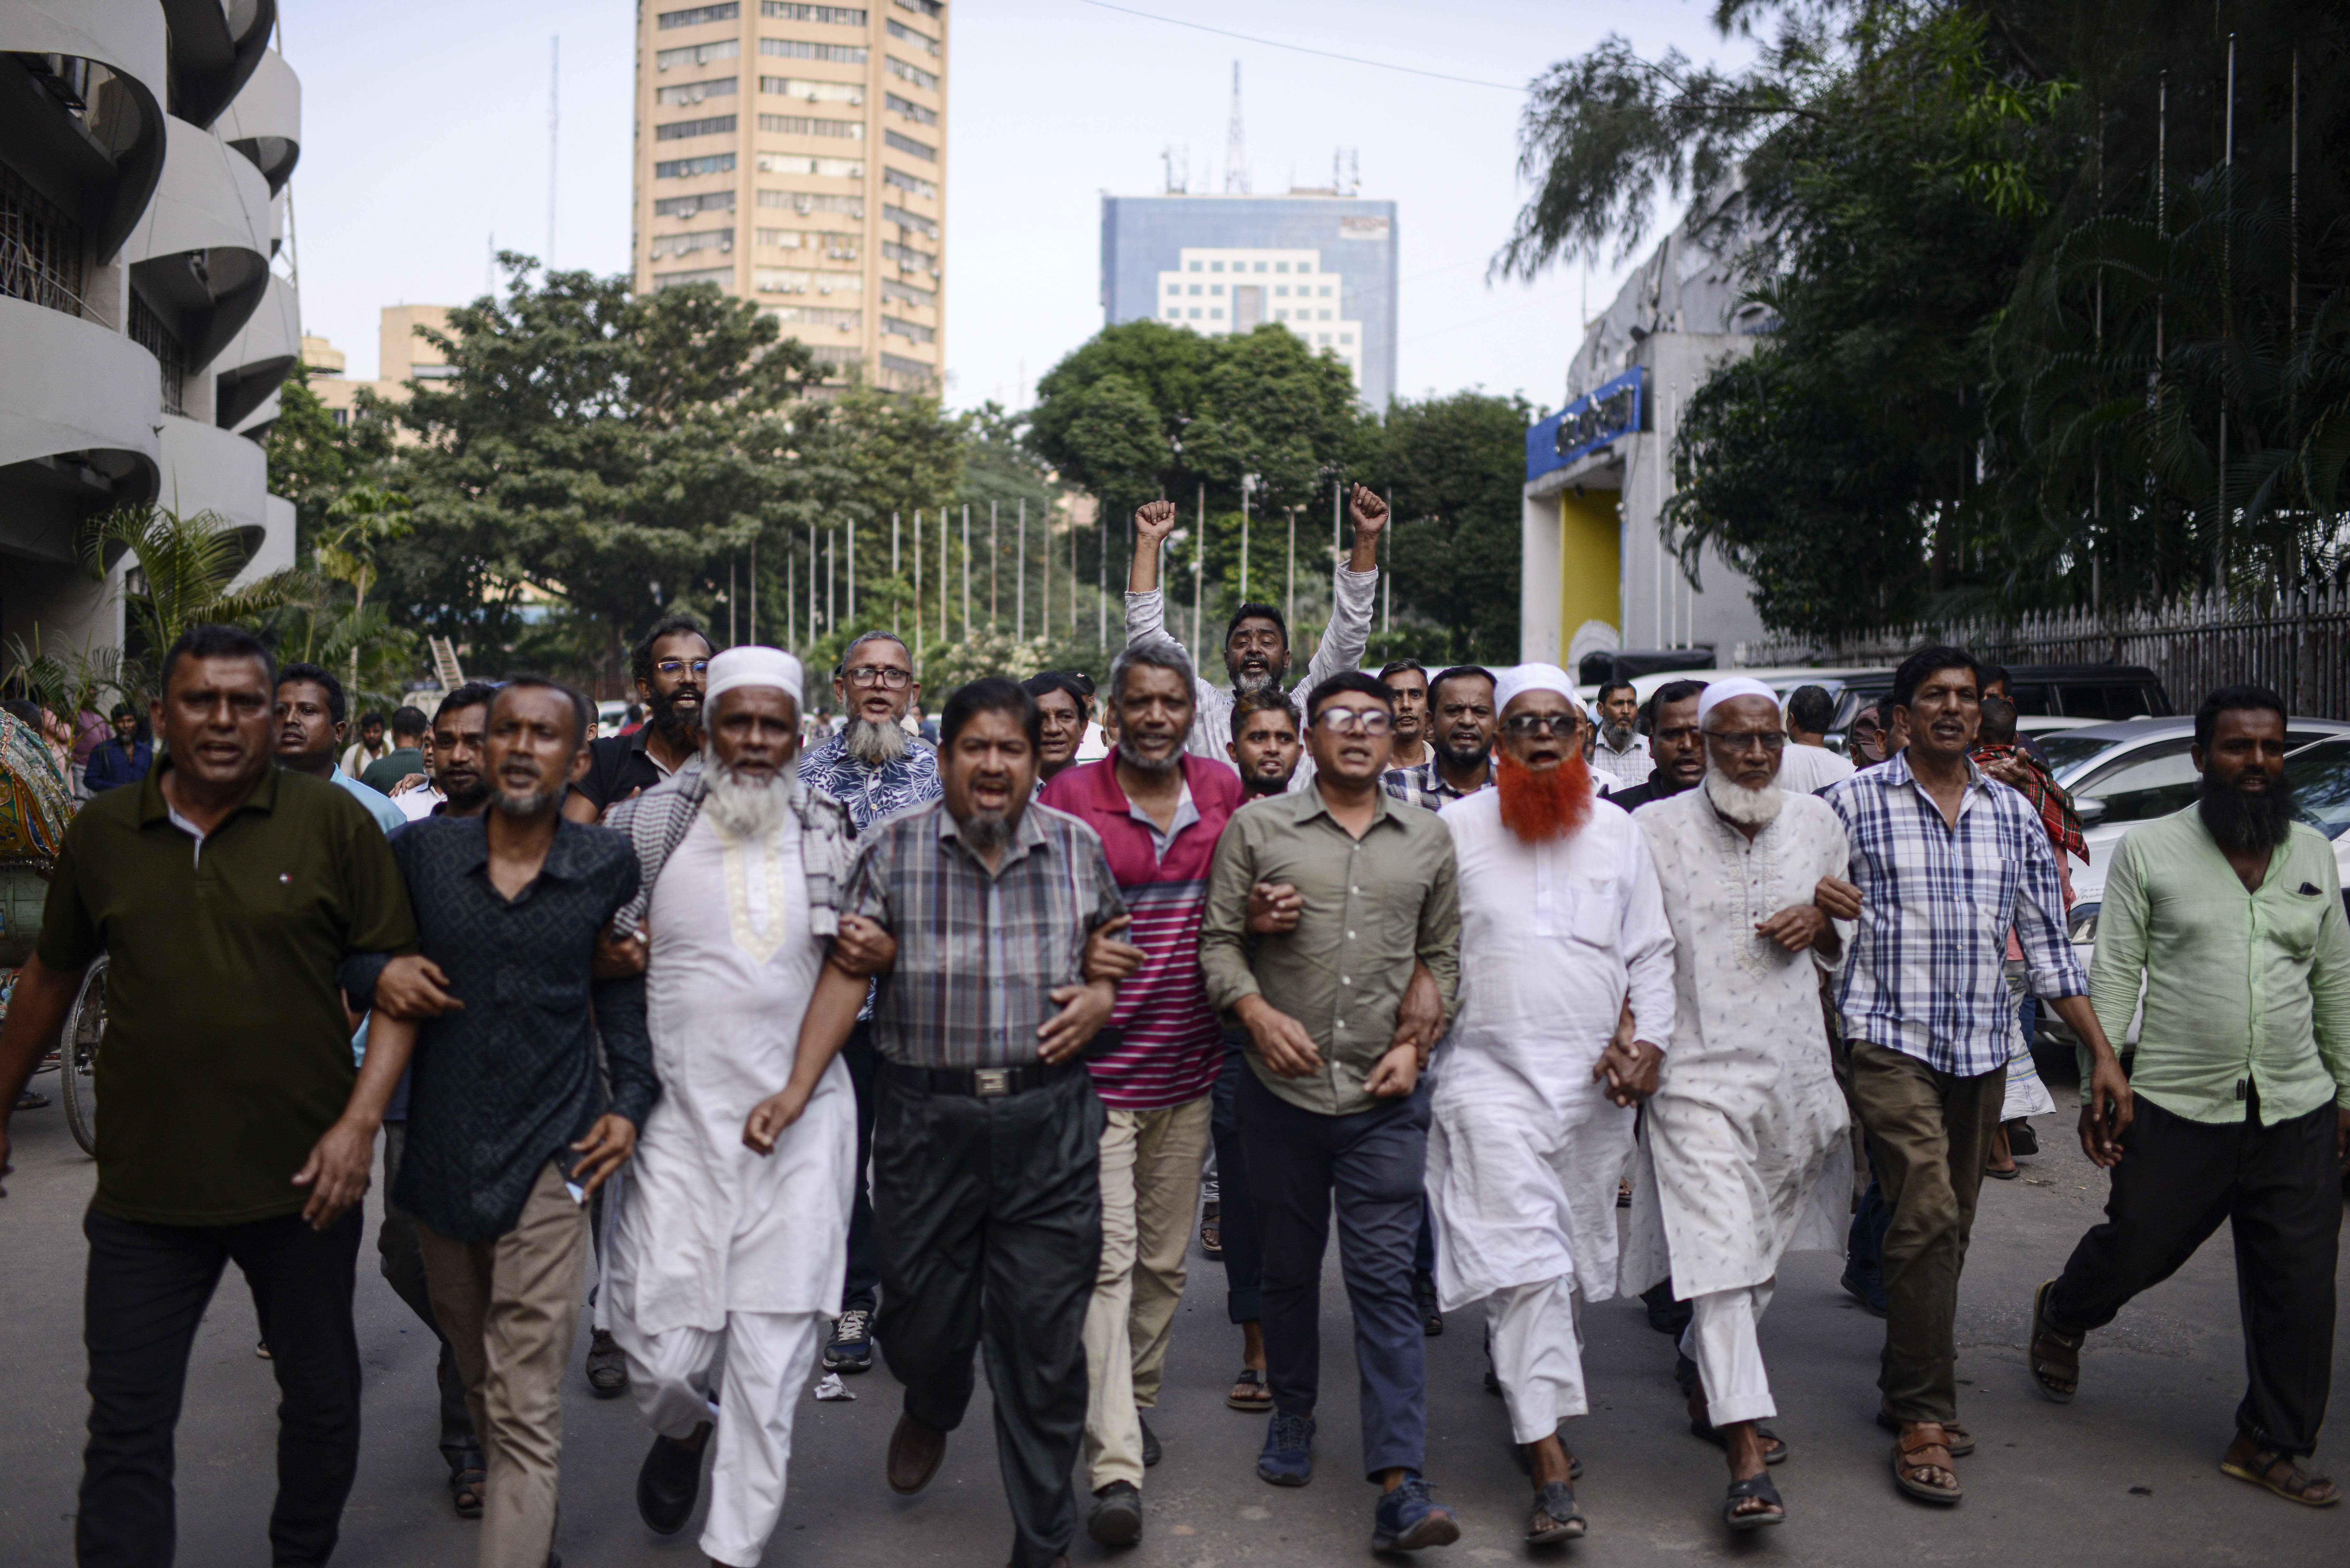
<point x="2126" y="1474"/>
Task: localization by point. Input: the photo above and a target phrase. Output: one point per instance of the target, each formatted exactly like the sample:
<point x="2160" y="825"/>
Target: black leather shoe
<point x="915" y="1451"/>
<point x="1150" y="1443"/>
<point x="669" y="1482"/>
<point x="1117" y="1518"/>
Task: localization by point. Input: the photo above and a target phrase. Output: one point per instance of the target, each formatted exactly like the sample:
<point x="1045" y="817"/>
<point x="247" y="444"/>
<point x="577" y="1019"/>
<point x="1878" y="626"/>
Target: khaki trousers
<point x="511" y="1310"/>
<point x="1150" y="1165"/>
<point x="1931" y="1133"/>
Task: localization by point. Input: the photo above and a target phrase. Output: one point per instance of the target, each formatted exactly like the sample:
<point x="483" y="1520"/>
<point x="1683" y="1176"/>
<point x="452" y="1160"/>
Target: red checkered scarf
<point x="2047" y="796"/>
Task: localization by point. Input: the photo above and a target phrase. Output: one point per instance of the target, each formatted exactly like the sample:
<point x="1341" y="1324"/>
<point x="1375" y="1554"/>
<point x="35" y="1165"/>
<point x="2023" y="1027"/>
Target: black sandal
<point x="1557" y="1517"/>
<point x="1752" y="1489"/>
<point x="2296" y="1485"/>
<point x="465" y="1488"/>
<point x="1211" y="1229"/>
<point x="1251" y="1377"/>
<point x="1775" y="1448"/>
<point x="2048" y="1351"/>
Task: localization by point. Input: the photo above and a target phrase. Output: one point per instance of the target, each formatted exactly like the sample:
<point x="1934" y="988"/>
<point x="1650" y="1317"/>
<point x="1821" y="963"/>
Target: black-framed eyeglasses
<point x="887" y="677"/>
<point x="1747" y="739"/>
<point x="1524" y="725"/>
<point x="1354" y="721"/>
<point x="673" y="668"/>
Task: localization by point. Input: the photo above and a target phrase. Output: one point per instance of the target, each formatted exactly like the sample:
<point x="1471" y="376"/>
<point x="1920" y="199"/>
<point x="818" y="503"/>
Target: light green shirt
<point x="2244" y="992"/>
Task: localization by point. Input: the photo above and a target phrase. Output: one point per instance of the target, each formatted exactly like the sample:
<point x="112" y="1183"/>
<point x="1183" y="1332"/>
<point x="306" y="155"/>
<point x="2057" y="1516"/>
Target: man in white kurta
<point x="1531" y="1118"/>
<point x="1744" y="1151"/>
<point x="716" y="1245"/>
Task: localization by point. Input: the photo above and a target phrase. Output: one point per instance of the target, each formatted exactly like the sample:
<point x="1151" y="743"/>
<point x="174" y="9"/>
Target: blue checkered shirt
<point x="1926" y="975"/>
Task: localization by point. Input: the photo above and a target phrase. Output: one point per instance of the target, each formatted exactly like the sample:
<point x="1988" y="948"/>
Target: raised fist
<point x="1369" y="512"/>
<point x="1154" y="521"/>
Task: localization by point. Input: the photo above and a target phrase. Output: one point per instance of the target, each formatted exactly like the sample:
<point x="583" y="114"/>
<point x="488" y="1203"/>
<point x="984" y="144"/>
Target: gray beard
<point x="525" y="806"/>
<point x="984" y="832"/>
<point x="745" y="810"/>
<point x="1134" y="758"/>
<point x="1616" y="736"/>
<point x="874" y="744"/>
<point x="1244" y="682"/>
<point x="1746" y="807"/>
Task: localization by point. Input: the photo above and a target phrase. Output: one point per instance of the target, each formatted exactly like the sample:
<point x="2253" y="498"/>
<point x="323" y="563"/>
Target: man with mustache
<point x="2242" y="1084"/>
<point x="1256" y="639"/>
<point x="1408" y="678"/>
<point x="509" y="1129"/>
<point x="310" y="727"/>
<point x="722" y="1240"/>
<point x="1561" y="926"/>
<point x="1064" y="701"/>
<point x="1460" y="741"/>
<point x="1158" y="811"/>
<point x="1674" y="746"/>
<point x="455" y="785"/>
<point x="1947" y="862"/>
<point x="876" y="769"/>
<point x="670" y="665"/>
<point x="1334" y="1105"/>
<point x="1619" y="753"/>
<point x="1744" y="1150"/>
<point x="987" y="1204"/>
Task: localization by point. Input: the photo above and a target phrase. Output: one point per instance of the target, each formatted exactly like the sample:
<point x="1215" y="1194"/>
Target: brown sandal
<point x="1909" y="1466"/>
<point x="1955" y="1438"/>
<point x="2054" y="1358"/>
<point x="2259" y="1466"/>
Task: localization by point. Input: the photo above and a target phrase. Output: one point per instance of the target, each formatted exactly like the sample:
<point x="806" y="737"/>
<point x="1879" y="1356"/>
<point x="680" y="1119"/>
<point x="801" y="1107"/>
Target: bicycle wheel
<point x="78" y="1057"/>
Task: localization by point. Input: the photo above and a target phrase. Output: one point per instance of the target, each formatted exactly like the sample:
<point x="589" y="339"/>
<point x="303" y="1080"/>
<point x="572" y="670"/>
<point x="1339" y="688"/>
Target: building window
<point x="805" y="202"/>
<point x="931" y="8"/>
<point x="1324" y="291"/>
<point x="1281" y="291"/>
<point x="148" y="330"/>
<point x="40" y="248"/>
<point x="1346" y="338"/>
<point x="797" y="163"/>
<point x="809" y="125"/>
<point x="914" y="74"/>
<point x="721" y="276"/>
<point x="818" y="316"/>
<point x="893" y="327"/>
<point x="666" y="245"/>
<point x="814" y="92"/>
<point x="1195" y="288"/>
<point x="1174" y="313"/>
<point x="913" y="183"/>
<point x="687" y="206"/>
<point x="892" y="213"/>
<point x="697" y="53"/>
<point x="1260" y="267"/>
<point x="1280" y="267"/>
<point x="687" y="168"/>
<point x="835" y="246"/>
<point x="920" y="150"/>
<point x="1215" y="266"/>
<point x="1322" y="315"/>
<point x="1195" y="266"/>
<point x="1215" y="313"/>
<point x="920" y="40"/>
<point x="1280" y="314"/>
<point x="1195" y="313"/>
<point x="907" y="294"/>
<point x="908" y="256"/>
<point x="695" y="16"/>
<point x="828" y="15"/>
<point x="686" y="93"/>
<point x="910" y="109"/>
<point x="1216" y="288"/>
<point x="911" y="371"/>
<point x="1323" y="338"/>
<point x="800" y="49"/>
<point x="716" y="125"/>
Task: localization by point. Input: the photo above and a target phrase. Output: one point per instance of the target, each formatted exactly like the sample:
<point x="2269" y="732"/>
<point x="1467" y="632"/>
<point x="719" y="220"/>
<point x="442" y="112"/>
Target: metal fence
<point x="2298" y="645"/>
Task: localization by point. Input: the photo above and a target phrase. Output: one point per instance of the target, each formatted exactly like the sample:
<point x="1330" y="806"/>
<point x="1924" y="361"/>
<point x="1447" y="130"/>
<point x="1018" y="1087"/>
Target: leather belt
<point x="982" y="1083"/>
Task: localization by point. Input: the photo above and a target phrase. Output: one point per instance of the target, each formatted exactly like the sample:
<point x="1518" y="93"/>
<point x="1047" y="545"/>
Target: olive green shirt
<point x="1368" y="907"/>
<point x="226" y="1051"/>
<point x="2244" y="992"/>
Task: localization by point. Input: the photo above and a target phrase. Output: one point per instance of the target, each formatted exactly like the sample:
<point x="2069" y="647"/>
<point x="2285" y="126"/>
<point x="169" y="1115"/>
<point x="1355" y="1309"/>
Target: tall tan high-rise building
<point x="796" y="155"/>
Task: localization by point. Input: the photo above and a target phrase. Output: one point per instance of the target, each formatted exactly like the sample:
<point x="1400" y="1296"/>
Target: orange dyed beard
<point x="1542" y="806"/>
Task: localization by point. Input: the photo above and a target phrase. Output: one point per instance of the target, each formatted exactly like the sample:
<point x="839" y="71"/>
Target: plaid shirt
<point x="1421" y="785"/>
<point x="979" y="953"/>
<point x="1926" y="975"/>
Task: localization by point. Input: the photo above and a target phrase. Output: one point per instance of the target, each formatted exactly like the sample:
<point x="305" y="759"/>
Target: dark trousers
<point x="2278" y="1188"/>
<point x="146" y="1292"/>
<point x="987" y="1231"/>
<point x="1372" y="1163"/>
<point x="1929" y="1133"/>
<point x="864" y="1277"/>
<point x="403" y="1269"/>
<point x="1244" y="1258"/>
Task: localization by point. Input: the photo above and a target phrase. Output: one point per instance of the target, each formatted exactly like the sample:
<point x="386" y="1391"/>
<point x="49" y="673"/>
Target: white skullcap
<point x="1521" y="678"/>
<point x="751" y="665"/>
<point x="1719" y="691"/>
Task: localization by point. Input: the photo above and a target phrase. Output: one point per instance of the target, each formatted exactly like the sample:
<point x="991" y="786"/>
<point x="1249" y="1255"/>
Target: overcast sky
<point x="425" y="131"/>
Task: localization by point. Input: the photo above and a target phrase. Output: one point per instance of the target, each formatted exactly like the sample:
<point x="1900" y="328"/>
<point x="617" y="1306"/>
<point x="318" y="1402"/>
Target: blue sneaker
<point x="1288" y="1455"/>
<point x="1409" y="1518"/>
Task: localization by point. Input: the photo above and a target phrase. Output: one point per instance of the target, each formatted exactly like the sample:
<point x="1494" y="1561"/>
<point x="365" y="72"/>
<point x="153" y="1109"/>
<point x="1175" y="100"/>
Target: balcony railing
<point x="40" y="248"/>
<point x="148" y="330"/>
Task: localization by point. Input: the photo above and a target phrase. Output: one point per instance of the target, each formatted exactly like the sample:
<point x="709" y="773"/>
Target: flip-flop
<point x="1960" y="1442"/>
<point x="1916" y="1441"/>
<point x="2045" y="1368"/>
<point x="1260" y="1401"/>
<point x="1758" y="1487"/>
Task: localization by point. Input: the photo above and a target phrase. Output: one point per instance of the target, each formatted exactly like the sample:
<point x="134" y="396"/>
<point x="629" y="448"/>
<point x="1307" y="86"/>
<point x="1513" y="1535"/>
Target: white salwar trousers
<point x="1721" y="1339"/>
<point x="1537" y="1349"/>
<point x="768" y="1357"/>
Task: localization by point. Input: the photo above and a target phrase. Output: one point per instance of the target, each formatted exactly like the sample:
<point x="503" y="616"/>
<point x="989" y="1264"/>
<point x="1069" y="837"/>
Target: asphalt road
<point x="2126" y="1474"/>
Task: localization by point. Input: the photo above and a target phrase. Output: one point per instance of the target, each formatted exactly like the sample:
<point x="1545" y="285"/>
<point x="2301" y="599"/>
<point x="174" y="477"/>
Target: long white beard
<point x="874" y="744"/>
<point x="1746" y="807"/>
<point x="746" y="810"/>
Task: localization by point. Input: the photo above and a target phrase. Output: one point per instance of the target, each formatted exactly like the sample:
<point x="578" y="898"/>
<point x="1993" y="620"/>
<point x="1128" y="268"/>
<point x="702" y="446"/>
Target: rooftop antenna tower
<point x="1236" y="178"/>
<point x="1178" y="163"/>
<point x="554" y="122"/>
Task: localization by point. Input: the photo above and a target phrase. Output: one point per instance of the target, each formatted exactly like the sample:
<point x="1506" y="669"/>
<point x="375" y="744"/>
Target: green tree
<point x="1454" y="470"/>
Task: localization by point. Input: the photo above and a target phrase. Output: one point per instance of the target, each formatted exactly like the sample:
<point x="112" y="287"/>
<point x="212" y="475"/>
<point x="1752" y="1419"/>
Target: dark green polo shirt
<point x="227" y="1053"/>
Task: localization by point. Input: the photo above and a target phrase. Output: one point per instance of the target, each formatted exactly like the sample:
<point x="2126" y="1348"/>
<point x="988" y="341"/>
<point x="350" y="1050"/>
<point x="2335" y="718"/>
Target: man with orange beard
<point x="1561" y="923"/>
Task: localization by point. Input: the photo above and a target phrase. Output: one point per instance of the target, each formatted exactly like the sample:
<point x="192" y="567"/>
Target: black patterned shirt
<point x="505" y="1083"/>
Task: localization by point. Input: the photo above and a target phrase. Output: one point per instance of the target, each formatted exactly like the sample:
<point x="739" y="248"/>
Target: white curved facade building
<point x="144" y="151"/>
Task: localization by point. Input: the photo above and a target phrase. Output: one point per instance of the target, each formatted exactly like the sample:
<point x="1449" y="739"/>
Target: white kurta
<point x="707" y="1225"/>
<point x="1745" y="1152"/>
<point x="1524" y="1149"/>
